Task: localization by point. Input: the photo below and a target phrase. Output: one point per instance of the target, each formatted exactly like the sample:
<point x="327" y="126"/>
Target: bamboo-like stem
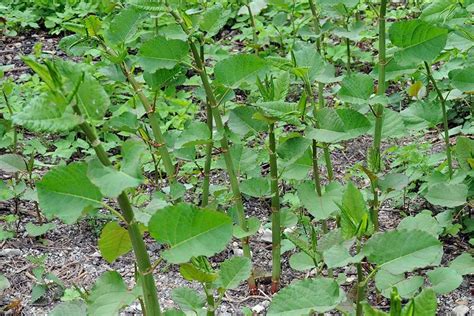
<point x="211" y="302"/>
<point x="348" y="53"/>
<point x="360" y="285"/>
<point x="160" y="142"/>
<point x="254" y="26"/>
<point x="445" y="119"/>
<point x="276" y="226"/>
<point x="234" y="182"/>
<point x="379" y="108"/>
<point x="207" y="163"/>
<point x="15" y="133"/>
<point x="150" y="293"/>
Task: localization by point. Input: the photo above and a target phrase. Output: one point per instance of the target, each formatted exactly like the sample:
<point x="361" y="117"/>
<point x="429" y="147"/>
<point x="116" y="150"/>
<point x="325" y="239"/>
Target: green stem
<point x="445" y="119"/>
<point x="211" y="303"/>
<point x="150" y="294"/>
<point x="160" y="142"/>
<point x="254" y="27"/>
<point x="207" y="163"/>
<point x="348" y="52"/>
<point x="360" y="285"/>
<point x="276" y="226"/>
<point x="15" y="133"/>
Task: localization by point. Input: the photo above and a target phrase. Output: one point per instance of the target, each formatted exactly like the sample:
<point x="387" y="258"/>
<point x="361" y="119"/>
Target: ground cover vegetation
<point x="162" y="121"/>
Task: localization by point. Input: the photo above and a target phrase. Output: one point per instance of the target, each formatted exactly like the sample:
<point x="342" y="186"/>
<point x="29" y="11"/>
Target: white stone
<point x="267" y="235"/>
<point x="460" y="310"/>
<point x="258" y="309"/>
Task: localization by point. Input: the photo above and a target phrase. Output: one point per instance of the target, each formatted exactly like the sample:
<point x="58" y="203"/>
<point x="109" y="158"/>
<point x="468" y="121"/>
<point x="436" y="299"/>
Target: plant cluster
<point x="159" y="100"/>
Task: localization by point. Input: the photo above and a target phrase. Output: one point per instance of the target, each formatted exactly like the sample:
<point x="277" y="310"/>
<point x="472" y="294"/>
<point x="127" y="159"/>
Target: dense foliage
<point x="159" y="98"/>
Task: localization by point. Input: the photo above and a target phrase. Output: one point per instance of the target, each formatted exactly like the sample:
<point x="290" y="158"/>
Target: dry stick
<point x="160" y="142"/>
<point x="150" y="294"/>
<point x="276" y="226"/>
<point x="234" y="182"/>
<point x="445" y="119"/>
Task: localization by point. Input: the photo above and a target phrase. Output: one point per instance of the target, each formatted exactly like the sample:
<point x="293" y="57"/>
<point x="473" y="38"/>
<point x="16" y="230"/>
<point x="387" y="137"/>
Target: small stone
<point x="267" y="235"/>
<point x="10" y="252"/>
<point x="235" y="244"/>
<point x="460" y="310"/>
<point x="258" y="308"/>
<point x="238" y="252"/>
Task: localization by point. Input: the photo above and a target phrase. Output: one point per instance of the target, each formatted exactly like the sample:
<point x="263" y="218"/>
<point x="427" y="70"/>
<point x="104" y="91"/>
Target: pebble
<point x="267" y="235"/>
<point x="460" y="310"/>
<point x="10" y="252"/>
<point x="258" y="308"/>
<point x="238" y="252"/>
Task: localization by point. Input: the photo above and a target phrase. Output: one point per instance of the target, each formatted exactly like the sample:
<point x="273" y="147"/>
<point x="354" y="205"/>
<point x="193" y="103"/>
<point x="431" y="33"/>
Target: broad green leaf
<point x="174" y="312"/>
<point x="192" y="273"/>
<point x="370" y="311"/>
<point x="66" y="192"/>
<point x="4" y="283"/>
<point x="241" y="121"/>
<point x="400" y="251"/>
<point x="444" y="280"/>
<point x="393" y="181"/>
<point x="339" y="256"/>
<point x="71" y="308"/>
<point x="438" y="10"/>
<point x="305" y="296"/>
<point x="465" y="152"/>
<point x="243" y="157"/>
<point x="423" y="113"/>
<point x="418" y="41"/>
<point x="190" y="231"/>
<point x="194" y="133"/>
<point x="355" y="218"/>
<point x="422" y="221"/>
<point x="338" y="125"/>
<point x="310" y="61"/>
<point x="133" y="152"/>
<point x="114" y="241"/>
<point x="301" y="261"/>
<point x="256" y="187"/>
<point x="46" y="113"/>
<point x="321" y="207"/>
<point x="37" y="291"/>
<point x="253" y="225"/>
<point x="256" y="6"/>
<point x="463" y="264"/>
<point x="161" y="77"/>
<point x="233" y="272"/>
<point x="394" y="70"/>
<point x="12" y="163"/>
<point x="214" y="19"/>
<point x="407" y="287"/>
<point x="424" y="304"/>
<point x="462" y="79"/>
<point x="187" y="299"/>
<point x="109" y="295"/>
<point x="35" y="231"/>
<point x="124" y="26"/>
<point x="447" y="194"/>
<point x="293" y="148"/>
<point x="279" y="110"/>
<point x="237" y="69"/>
<point x="356" y="88"/>
<point x="161" y="53"/>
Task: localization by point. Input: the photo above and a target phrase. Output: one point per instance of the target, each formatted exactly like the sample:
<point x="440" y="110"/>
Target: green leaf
<point x="93" y="98"/>
<point x="463" y="264"/>
<point x="161" y="53"/>
<point x="37" y="292"/>
<point x="214" y="19"/>
<point x="422" y="221"/>
<point x="339" y="256"/>
<point x="447" y="194"/>
<point x="114" y="241"/>
<point x="444" y="280"/>
<point x="385" y="282"/>
<point x="253" y="225"/>
<point x="4" y="283"/>
<point x="423" y="112"/>
<point x="190" y="231"/>
<point x="66" y="192"/>
<point x="393" y="182"/>
<point x="462" y="79"/>
<point x="187" y="299"/>
<point x="161" y="77"/>
<point x="308" y="60"/>
<point x="35" y="231"/>
<point x="12" y="163"/>
<point x="400" y="251"/>
<point x="195" y="133"/>
<point x="306" y="296"/>
<point x="241" y="121"/>
<point x="192" y="273"/>
<point x="370" y="311"/>
<point x="438" y="10"/>
<point x="338" y="125"/>
<point x="109" y="295"/>
<point x="465" y="152"/>
<point x="321" y="207"/>
<point x="356" y="88"/>
<point x="124" y="26"/>
<point x="418" y="41"/>
<point x="233" y="272"/>
<point x="355" y="218"/>
<point x="237" y="69"/>
<point x="279" y="110"/>
<point x="301" y="261"/>
<point x="71" y="308"/>
<point x="293" y="148"/>
<point x="256" y="187"/>
<point x="424" y="304"/>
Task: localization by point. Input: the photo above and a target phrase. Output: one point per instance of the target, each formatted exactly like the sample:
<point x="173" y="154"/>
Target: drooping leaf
<point x="438" y="10"/>
<point x="355" y="218"/>
<point x="356" y="88"/>
<point x="462" y="79"/>
<point x="234" y="271"/>
<point x="301" y="261"/>
<point x="190" y="231"/>
<point x="309" y="61"/>
<point x="4" y="283"/>
<point x="66" y="192"/>
<point x="400" y="251"/>
<point x="321" y="207"/>
<point x="124" y="26"/>
<point x="444" y="280"/>
<point x="194" y="133"/>
<point x="190" y="272"/>
<point x="12" y="163"/>
<point x="253" y="225"/>
<point x="393" y="181"/>
<point x="465" y="152"/>
<point x="214" y="19"/>
<point x="109" y="295"/>
<point x="34" y="230"/>
<point x="256" y="187"/>
<point x="424" y="304"/>
<point x="406" y="287"/>
<point x="422" y="221"/>
<point x="237" y="69"/>
<point x="241" y="121"/>
<point x="339" y="256"/>
<point x="305" y="296"/>
<point x="463" y="264"/>
<point x="162" y="53"/>
<point x="418" y="41"/>
<point x="188" y="299"/>
<point x="114" y="241"/>
<point x="278" y="110"/>
<point x="70" y="308"/>
<point x="447" y="194"/>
